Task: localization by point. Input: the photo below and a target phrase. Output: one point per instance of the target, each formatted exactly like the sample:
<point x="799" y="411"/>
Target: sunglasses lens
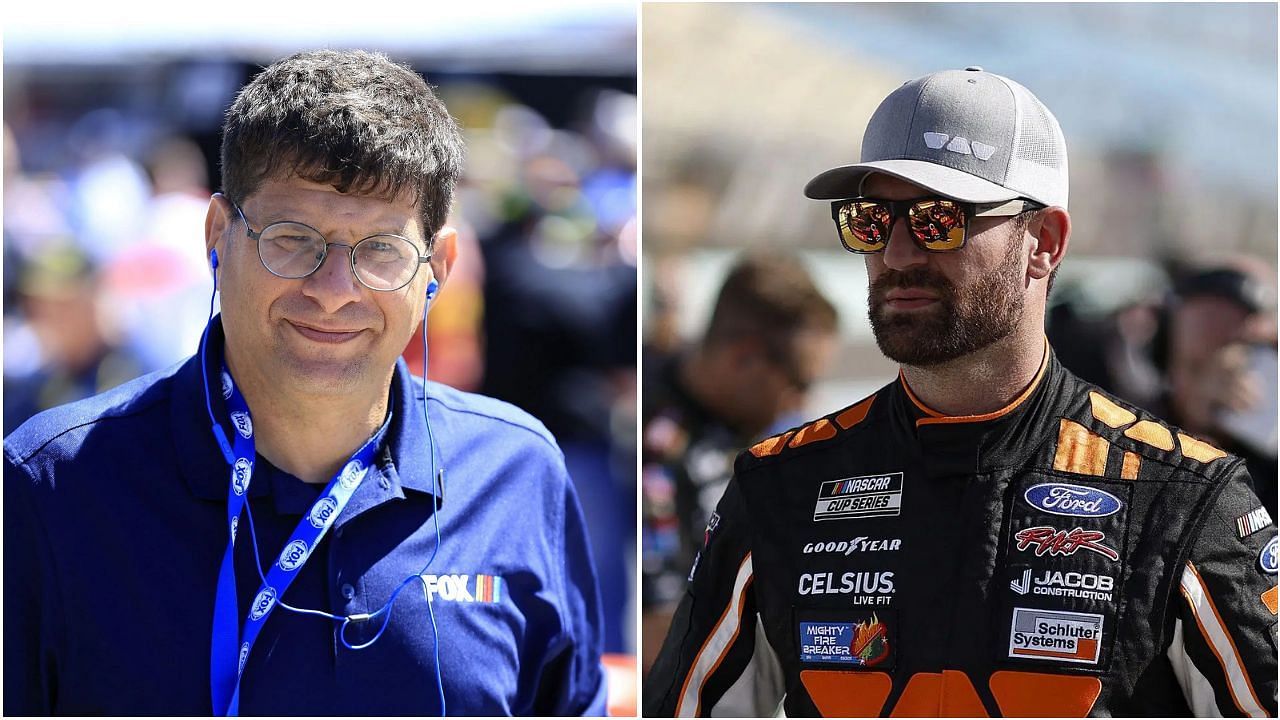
<point x="864" y="226"/>
<point x="938" y="224"/>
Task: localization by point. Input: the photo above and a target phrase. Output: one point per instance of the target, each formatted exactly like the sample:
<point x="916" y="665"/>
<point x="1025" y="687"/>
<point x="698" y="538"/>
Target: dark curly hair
<point x="351" y="119"/>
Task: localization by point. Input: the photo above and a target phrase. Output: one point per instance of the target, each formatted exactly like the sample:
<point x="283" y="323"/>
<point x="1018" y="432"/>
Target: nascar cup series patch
<point x="859" y="497"/>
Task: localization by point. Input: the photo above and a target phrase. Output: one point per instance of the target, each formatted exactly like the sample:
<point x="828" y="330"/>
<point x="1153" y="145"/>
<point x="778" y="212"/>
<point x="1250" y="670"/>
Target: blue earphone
<point x="437" y="477"/>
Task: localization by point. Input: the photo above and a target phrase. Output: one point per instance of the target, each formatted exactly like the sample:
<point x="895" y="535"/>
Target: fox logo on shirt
<point x="460" y="588"/>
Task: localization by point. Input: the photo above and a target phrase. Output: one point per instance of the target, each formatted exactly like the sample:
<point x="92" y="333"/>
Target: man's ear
<point x="1051" y="229"/>
<point x="216" y="221"/>
<point x="444" y="254"/>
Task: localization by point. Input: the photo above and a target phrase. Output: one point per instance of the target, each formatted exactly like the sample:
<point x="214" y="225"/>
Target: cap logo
<point x="960" y="145"/>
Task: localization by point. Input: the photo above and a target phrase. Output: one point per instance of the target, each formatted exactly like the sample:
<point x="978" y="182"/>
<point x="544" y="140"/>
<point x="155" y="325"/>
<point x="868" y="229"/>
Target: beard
<point x="963" y="321"/>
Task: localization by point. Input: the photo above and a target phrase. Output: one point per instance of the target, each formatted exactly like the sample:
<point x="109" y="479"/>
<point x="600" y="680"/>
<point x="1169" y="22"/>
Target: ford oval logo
<point x="1267" y="558"/>
<point x="1073" y="500"/>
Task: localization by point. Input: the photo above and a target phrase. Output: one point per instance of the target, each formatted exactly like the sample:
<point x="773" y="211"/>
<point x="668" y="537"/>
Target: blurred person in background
<point x="62" y="352"/>
<point x="159" y="281"/>
<point x="328" y="244"/>
<point x="771" y="335"/>
<point x="560" y="341"/>
<point x="1220" y="355"/>
<point x="1201" y="353"/>
<point x="987" y="535"/>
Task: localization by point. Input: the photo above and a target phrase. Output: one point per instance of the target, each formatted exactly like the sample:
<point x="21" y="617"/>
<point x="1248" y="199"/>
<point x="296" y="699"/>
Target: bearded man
<point x="987" y="535"/>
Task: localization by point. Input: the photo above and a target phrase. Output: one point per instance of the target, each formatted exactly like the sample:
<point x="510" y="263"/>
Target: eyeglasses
<point x="936" y="224"/>
<point x="293" y="250"/>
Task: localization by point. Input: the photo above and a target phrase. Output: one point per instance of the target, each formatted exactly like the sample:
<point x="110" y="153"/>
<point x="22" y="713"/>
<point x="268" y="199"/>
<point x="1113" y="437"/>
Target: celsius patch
<point x="864" y="643"/>
<point x="1055" y="635"/>
<point x="864" y="496"/>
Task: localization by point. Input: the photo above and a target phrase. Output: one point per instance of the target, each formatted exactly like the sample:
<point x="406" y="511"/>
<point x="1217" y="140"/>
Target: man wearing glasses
<point x="987" y="535"/>
<point x="163" y="541"/>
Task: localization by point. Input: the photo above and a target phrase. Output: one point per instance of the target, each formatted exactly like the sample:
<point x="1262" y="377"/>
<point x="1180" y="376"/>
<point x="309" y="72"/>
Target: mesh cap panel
<point x="1038" y="165"/>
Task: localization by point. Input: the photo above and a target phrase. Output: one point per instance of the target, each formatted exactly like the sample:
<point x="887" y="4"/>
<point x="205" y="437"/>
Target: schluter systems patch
<point x="1055" y="635"/>
<point x="862" y="644"/>
<point x="865" y="496"/>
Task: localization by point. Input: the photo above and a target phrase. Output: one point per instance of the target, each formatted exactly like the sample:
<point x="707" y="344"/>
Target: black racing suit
<point x="1067" y="555"/>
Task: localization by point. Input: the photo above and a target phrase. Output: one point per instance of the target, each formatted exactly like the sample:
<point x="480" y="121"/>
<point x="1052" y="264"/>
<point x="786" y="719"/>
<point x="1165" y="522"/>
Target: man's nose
<point x="902" y="251"/>
<point x="333" y="284"/>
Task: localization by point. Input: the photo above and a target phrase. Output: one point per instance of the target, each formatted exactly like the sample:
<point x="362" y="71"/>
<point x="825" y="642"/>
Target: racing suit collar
<point x="966" y="445"/>
<point x="928" y="416"/>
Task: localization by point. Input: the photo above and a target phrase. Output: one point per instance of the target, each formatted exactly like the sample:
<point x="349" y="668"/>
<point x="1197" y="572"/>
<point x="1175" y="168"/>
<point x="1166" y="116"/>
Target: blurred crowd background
<point x="110" y="154"/>
<point x="1166" y="297"/>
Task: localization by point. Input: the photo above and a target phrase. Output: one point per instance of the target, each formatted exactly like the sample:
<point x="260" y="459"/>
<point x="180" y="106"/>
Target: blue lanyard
<point x="231" y="649"/>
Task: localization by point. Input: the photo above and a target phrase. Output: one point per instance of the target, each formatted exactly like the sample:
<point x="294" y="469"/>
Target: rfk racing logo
<point x="1052" y="541"/>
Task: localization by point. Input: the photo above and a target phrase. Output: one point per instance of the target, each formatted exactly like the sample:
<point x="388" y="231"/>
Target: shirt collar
<point x="205" y="470"/>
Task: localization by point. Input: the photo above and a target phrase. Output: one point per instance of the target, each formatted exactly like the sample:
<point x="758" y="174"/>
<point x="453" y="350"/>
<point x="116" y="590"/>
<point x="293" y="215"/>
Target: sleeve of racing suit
<point x="715" y="660"/>
<point x="1224" y="643"/>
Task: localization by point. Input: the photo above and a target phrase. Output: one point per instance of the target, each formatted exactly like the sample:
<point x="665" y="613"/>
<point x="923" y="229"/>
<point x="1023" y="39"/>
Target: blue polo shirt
<point x="114" y="529"/>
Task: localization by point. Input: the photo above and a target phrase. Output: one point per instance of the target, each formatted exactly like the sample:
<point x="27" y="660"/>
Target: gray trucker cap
<point x="965" y="134"/>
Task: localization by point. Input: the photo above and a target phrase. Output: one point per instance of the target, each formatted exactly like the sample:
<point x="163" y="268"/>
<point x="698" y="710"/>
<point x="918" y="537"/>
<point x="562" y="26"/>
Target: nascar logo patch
<point x="1252" y="521"/>
<point x="864" y="496"/>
